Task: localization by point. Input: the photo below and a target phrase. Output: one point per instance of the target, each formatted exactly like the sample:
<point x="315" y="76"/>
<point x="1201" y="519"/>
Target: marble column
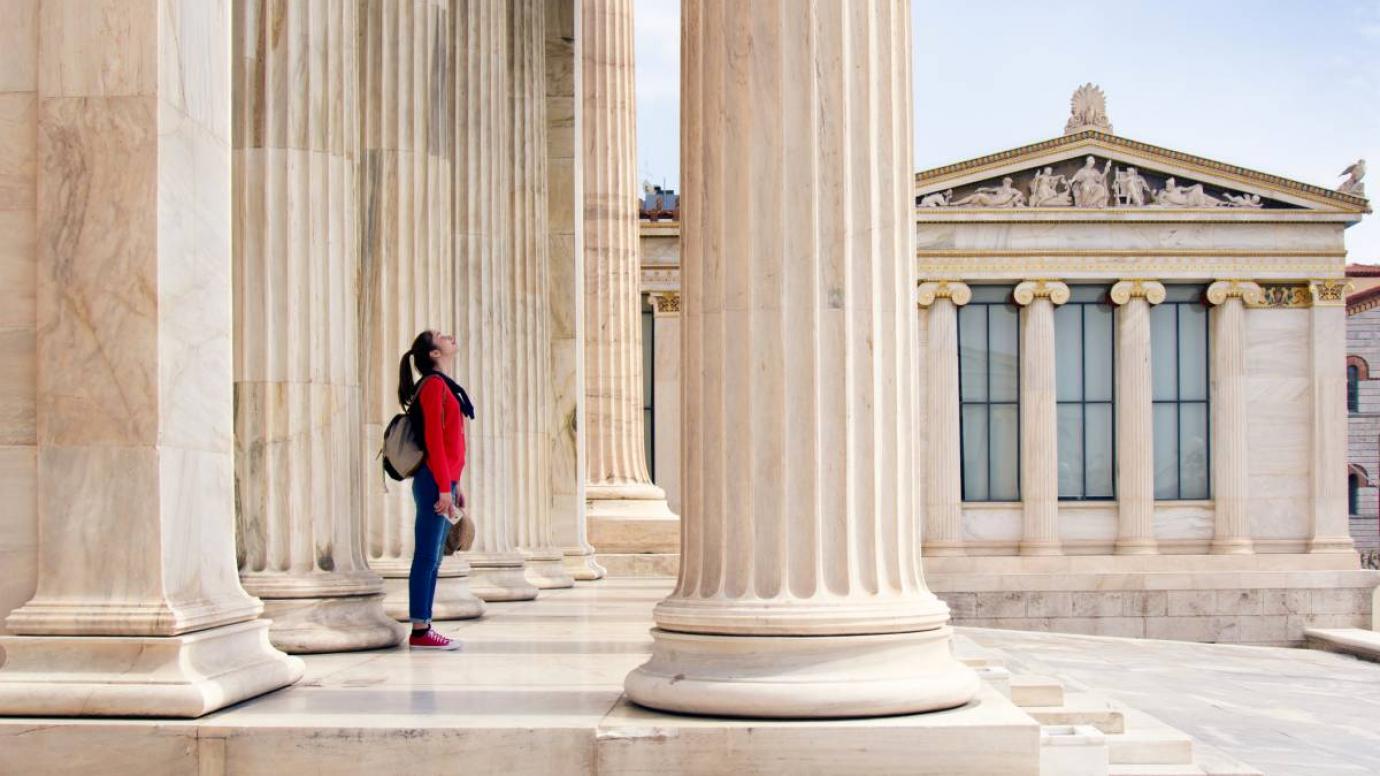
<point x="407" y="271"/>
<point x="1230" y="416"/>
<point x="565" y="233"/>
<point x="1039" y="417"/>
<point x="1327" y="324"/>
<point x="138" y="610"/>
<point x="298" y="447"/>
<point x="800" y="591"/>
<point x="627" y="513"/>
<point x="531" y="365"/>
<point x="666" y="345"/>
<point x="486" y="292"/>
<point x="943" y="460"/>
<point x="19" y="279"/>
<point x="1135" y="421"/>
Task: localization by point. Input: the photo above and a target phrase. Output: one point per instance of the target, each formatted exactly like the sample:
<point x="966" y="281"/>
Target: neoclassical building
<point x="1131" y="378"/>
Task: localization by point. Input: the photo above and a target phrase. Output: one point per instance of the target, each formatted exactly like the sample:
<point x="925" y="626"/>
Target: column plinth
<point x="1330" y="531"/>
<point x="1230" y="416"/>
<point x="1135" y="427"/>
<point x="943" y="462"/>
<point x="625" y="511"/>
<point x="800" y="591"/>
<point x="1039" y="417"/>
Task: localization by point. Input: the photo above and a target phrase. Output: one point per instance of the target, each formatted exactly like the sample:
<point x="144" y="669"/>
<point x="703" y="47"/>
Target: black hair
<point x="420" y="355"/>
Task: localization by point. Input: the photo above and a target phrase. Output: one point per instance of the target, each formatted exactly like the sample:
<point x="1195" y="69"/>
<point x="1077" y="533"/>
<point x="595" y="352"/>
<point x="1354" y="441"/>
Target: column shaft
<point x="135" y="424"/>
<point x="666" y="345"/>
<point x="627" y="513"/>
<point x="1039" y="417"/>
<point x="1230" y="414"/>
<point x="407" y="271"/>
<point x="801" y="534"/>
<point x="545" y="563"/>
<point x="1331" y="533"/>
<point x="943" y="462"/>
<point x="486" y="291"/>
<point x="298" y="451"/>
<point x="565" y="230"/>
<point x="1135" y="427"/>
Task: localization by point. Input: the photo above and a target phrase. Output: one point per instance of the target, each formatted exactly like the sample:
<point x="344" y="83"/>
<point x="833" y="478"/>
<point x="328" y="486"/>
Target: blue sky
<point x="1290" y="87"/>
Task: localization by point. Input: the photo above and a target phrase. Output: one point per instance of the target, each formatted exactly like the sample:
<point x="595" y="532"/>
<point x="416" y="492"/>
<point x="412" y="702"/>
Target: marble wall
<point x="18" y="267"/>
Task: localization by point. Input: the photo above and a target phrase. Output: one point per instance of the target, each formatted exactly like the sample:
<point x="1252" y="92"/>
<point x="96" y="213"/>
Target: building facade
<point x="1363" y="409"/>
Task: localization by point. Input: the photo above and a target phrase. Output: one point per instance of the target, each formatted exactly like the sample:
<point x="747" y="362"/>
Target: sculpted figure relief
<point x="1090" y="186"/>
<point x="1131" y="188"/>
<point x="937" y="199"/>
<point x="1049" y="190"/>
<point x="1174" y="195"/>
<point x="1004" y="195"/>
<point x="1243" y="200"/>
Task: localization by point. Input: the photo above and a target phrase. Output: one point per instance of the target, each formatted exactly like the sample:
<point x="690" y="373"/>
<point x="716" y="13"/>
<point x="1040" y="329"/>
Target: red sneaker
<point x="432" y="640"/>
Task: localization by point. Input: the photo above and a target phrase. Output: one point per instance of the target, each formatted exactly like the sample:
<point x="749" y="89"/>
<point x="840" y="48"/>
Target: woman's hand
<point x="444" y="504"/>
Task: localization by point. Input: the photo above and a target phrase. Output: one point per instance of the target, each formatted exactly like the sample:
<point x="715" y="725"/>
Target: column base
<point x="1137" y="547"/>
<point x="547" y="571"/>
<point x="1332" y="544"/>
<point x="141" y="676"/>
<point x="581" y="565"/>
<point x="454" y="600"/>
<point x="1042" y="548"/>
<point x="802" y="676"/>
<point x="1233" y="546"/>
<point x="630" y="519"/>
<point x="946" y="548"/>
<point x="340" y="624"/>
<point x="500" y="578"/>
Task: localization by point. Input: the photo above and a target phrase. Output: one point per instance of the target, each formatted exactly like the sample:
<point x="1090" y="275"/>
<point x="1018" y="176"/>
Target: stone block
<point x="1189" y="603"/>
<point x="1049" y="604"/>
<point x="1148" y="604"/>
<point x="1259" y="629"/>
<point x="961" y="605"/>
<point x="1000" y="605"/>
<point x="1123" y="627"/>
<point x="1284" y="601"/>
<point x="1346" y="601"/>
<point x="1098" y="604"/>
<point x="1182" y="628"/>
<point x="1237" y="602"/>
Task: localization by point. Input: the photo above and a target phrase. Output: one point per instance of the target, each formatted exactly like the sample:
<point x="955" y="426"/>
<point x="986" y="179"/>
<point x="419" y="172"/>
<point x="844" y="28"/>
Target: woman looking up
<point x="436" y="485"/>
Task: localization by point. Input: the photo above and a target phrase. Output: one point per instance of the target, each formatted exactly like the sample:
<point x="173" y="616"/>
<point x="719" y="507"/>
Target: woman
<point x="435" y="487"/>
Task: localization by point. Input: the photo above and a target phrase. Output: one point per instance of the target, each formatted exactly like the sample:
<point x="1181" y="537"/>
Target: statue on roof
<point x="1088" y="110"/>
<point x="1353" y="185"/>
<point x="1090" y="185"/>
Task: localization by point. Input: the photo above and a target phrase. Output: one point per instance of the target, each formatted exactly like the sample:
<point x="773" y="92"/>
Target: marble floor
<point x="1287" y="712"/>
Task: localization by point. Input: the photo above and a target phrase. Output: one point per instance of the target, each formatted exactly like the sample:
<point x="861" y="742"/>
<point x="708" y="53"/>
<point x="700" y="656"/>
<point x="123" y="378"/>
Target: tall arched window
<point x="1353" y="489"/>
<point x="1353" y="388"/>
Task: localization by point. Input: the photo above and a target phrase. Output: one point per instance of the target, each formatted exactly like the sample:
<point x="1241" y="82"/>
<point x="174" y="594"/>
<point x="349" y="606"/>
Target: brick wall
<point x="1363" y="432"/>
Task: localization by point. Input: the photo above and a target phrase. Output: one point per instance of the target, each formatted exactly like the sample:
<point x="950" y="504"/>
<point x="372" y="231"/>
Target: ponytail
<point x="420" y="355"/>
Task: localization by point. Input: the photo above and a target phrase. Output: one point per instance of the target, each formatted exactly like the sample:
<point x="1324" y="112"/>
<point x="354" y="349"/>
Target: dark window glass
<point x="989" y="395"/>
<point x="1085" y="360"/>
<point x="1179" y="351"/>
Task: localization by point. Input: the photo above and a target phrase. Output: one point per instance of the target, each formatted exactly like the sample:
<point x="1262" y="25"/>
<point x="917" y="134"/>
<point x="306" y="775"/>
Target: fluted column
<point x="565" y="234"/>
<point x="1135" y="422"/>
<point x="1331" y="533"/>
<point x="800" y="591"/>
<point x="626" y="512"/>
<point x="531" y="364"/>
<point x="943" y="459"/>
<point x="138" y="609"/>
<point x="1039" y="417"/>
<point x="298" y="451"/>
<point x="486" y="292"/>
<point x="666" y="345"/>
<point x="407" y="272"/>
<point x="1230" y="416"/>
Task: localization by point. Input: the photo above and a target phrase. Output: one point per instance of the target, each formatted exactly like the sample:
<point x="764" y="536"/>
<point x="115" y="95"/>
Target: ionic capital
<point x="1329" y="293"/>
<point x="1249" y="292"/>
<point x="954" y="290"/>
<point x="1030" y="290"/>
<point x="665" y="302"/>
<point x="1152" y="291"/>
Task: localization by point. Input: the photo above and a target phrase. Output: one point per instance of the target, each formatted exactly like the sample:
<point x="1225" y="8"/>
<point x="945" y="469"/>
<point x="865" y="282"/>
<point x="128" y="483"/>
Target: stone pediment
<point x="1093" y="172"/>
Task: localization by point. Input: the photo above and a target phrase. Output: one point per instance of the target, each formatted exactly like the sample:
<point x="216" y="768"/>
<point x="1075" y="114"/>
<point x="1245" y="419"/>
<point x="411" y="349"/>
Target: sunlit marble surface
<point x="1287" y="712"/>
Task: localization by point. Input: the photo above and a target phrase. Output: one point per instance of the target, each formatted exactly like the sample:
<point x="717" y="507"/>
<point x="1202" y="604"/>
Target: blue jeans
<point x="430" y="540"/>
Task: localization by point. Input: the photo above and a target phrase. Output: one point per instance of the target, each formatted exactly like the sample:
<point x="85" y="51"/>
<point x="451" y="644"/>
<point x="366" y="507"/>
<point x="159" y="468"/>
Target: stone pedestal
<point x="943" y="458"/>
<point x="626" y="513"/>
<point x="1328" y="352"/>
<point x="486" y="292"/>
<point x="800" y="592"/>
<point x="407" y="275"/>
<point x="1039" y="417"/>
<point x="138" y="609"/>
<point x="298" y="446"/>
<point x="1230" y="416"/>
<point x="565" y="254"/>
<point x="545" y="562"/>
<point x="1135" y="421"/>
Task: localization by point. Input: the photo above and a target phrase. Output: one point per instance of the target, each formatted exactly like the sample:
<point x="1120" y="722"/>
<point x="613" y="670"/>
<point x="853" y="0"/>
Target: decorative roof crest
<point x="1088" y="110"/>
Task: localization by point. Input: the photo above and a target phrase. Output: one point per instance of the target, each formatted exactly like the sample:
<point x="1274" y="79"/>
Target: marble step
<point x="1164" y="746"/>
<point x="1029" y="690"/>
<point x="1080" y="709"/>
<point x="1364" y="644"/>
<point x="1155" y="770"/>
<point x="649" y="564"/>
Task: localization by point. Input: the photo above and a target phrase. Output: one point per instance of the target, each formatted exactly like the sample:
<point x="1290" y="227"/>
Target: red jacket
<point x="444" y="428"/>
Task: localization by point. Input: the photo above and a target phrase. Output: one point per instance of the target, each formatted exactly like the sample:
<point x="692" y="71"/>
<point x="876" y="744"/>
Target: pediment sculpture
<point x="1353" y="185"/>
<point x="1094" y="183"/>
